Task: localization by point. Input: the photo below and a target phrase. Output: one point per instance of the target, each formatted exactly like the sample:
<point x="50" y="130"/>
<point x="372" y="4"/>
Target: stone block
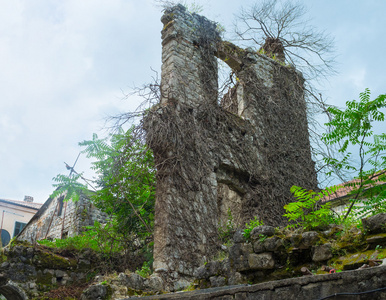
<point x="180" y="284"/>
<point x="93" y="292"/>
<point x="156" y="283"/>
<point x="322" y="252"/>
<point x="263" y="261"/>
<point x="216" y="281"/>
<point x="60" y="273"/>
<point x="135" y="281"/>
<point x="271" y="244"/>
<point x="258" y="247"/>
<point x="238" y="256"/>
<point x="263" y="230"/>
<point x="309" y="239"/>
<point x="236" y="278"/>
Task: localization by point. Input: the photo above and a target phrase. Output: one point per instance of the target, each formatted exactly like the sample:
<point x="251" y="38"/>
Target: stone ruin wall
<point x="243" y="154"/>
<point x="54" y="223"/>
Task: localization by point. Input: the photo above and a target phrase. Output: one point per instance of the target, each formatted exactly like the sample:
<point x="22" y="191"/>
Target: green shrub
<point x="308" y="212"/>
<point x="100" y="238"/>
<point x="145" y="271"/>
<point x="249" y="227"/>
<point x="226" y="232"/>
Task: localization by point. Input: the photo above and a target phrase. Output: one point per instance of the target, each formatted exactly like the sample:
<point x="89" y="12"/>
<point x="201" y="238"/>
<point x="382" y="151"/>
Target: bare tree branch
<point x="311" y="51"/>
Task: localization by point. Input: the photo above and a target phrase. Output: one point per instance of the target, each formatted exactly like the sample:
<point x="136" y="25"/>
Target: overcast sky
<point x="65" y="66"/>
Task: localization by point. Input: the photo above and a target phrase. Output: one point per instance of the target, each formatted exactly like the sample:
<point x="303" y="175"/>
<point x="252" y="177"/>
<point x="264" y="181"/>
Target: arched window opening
<point x="5" y="238"/>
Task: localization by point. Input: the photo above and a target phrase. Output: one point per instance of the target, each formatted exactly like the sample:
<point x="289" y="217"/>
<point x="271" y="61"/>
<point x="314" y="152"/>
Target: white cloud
<point x="64" y="64"/>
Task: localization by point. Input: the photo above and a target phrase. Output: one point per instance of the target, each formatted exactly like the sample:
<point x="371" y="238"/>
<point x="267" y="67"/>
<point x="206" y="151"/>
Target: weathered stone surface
<point x="238" y="236"/>
<point x="301" y="288"/>
<point x="225" y="267"/>
<point x="258" y="247"/>
<point x="357" y="260"/>
<point x="377" y="239"/>
<point x="238" y="256"/>
<point x="261" y="231"/>
<point x="268" y="244"/>
<point x="135" y="281"/>
<point x="123" y="278"/>
<point x="212" y="268"/>
<point x="156" y="283"/>
<point x="50" y="224"/>
<point x="322" y="252"/>
<point x="201" y="273"/>
<point x="263" y="261"/>
<point x="309" y="239"/>
<point x="375" y="224"/>
<point x="216" y="281"/>
<point x="235" y="278"/>
<point x="95" y="292"/>
<point x="180" y="284"/>
<point x="234" y="158"/>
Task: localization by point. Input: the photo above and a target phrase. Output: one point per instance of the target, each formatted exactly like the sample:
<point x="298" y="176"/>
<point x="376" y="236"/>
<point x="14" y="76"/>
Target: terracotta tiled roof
<point x="23" y="203"/>
<point x="345" y="189"/>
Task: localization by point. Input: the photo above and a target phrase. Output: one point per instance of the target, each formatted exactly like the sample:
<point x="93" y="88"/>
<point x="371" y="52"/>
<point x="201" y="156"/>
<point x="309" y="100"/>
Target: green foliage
<point x="226" y="232"/>
<point x="124" y="189"/>
<point x="126" y="180"/>
<point x="352" y="128"/>
<point x="307" y="211"/>
<point x="69" y="187"/>
<point x="101" y="238"/>
<point x="145" y="271"/>
<point x="249" y="227"/>
<point x="262" y="237"/>
<point x="125" y="183"/>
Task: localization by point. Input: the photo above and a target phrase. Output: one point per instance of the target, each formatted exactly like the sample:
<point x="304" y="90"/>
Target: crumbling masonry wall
<point x="59" y="219"/>
<point x="241" y="155"/>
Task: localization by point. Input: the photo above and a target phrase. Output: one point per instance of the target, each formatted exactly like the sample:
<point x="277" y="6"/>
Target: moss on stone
<point x="377" y="240"/>
<point x="353" y="261"/>
<point x="44" y="279"/>
<point x="49" y="260"/>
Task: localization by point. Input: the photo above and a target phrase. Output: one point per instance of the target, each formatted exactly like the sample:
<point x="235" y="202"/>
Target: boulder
<point x="156" y="283"/>
<point x="95" y="292"/>
<point x="263" y="230"/>
<point x="135" y="281"/>
<point x="322" y="252"/>
<point x="271" y="244"/>
<point x="309" y="239"/>
<point x="375" y="224"/>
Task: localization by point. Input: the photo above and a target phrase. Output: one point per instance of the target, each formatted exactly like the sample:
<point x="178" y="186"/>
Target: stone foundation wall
<point x="354" y="285"/>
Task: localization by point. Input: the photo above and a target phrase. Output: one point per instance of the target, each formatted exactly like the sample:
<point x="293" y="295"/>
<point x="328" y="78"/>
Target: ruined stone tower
<point x="240" y="156"/>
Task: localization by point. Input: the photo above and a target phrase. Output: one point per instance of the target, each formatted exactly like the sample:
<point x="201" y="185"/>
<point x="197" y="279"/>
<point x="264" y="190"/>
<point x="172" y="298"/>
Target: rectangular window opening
<point x="18" y="228"/>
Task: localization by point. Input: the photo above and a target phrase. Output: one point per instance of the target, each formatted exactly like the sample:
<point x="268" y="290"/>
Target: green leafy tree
<point x="124" y="187"/>
<point x="352" y="128"/>
<point x="126" y="180"/>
